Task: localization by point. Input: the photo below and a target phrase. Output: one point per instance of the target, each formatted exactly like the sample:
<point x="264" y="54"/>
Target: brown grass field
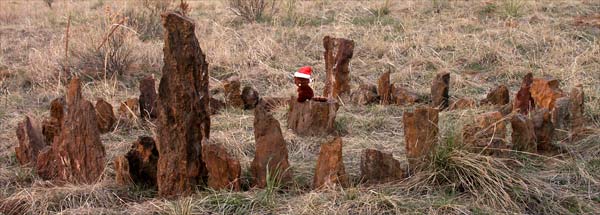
<point x="481" y="43"/>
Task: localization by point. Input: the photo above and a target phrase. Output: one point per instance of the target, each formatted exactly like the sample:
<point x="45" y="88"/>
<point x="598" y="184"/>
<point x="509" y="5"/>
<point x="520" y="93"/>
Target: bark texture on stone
<point x="338" y="52"/>
<point x="224" y="171"/>
<point x="183" y="122"/>
<point x="128" y="109"/>
<point x="523" y="101"/>
<point x="545" y="92"/>
<point x="105" y="116"/>
<point x="576" y="108"/>
<point x="31" y="141"/>
<point x="384" y="89"/>
<point x="148" y="98"/>
<point x="523" y="133"/>
<point x="420" y="135"/>
<point x="365" y="94"/>
<point x="544" y="129"/>
<point x="250" y="97"/>
<point x="330" y="166"/>
<point x="232" y="90"/>
<point x="142" y="159"/>
<point x="488" y="133"/>
<point x="561" y="117"/>
<point x="312" y="118"/>
<point x="271" y="154"/>
<point x="77" y="155"/>
<point x="122" y="171"/>
<point x="402" y="96"/>
<point x="440" y="87"/>
<point x="462" y="103"/>
<point x="51" y="125"/>
<point x="380" y="167"/>
<point x="498" y="96"/>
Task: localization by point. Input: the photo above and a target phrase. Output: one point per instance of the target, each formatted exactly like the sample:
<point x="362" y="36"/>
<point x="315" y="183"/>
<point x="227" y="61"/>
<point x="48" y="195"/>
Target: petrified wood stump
<point x="148" y="98"/>
<point x="31" y="141"/>
<point x="380" y="167"/>
<point x="498" y="96"/>
<point x="523" y="101"/>
<point x="523" y="133"/>
<point x="440" y="87"/>
<point x="224" y="171"/>
<point x="487" y="134"/>
<point x="338" y="52"/>
<point x="420" y="134"/>
<point x="232" y="90"/>
<point x="105" y="116"/>
<point x="183" y="122"/>
<point x="384" y="89"/>
<point x="330" y="166"/>
<point x="545" y="92"/>
<point x="312" y="118"/>
<point x="365" y="94"/>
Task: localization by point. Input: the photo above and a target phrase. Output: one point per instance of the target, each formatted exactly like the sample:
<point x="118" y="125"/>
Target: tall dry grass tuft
<point x="252" y="10"/>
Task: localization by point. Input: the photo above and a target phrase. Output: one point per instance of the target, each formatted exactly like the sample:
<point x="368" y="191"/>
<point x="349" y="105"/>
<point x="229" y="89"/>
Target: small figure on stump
<point x="302" y="81"/>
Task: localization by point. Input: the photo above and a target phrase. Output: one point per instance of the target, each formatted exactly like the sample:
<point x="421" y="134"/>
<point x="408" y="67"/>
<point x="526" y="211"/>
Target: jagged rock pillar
<point x="338" y="52"/>
<point x="420" y="135"/>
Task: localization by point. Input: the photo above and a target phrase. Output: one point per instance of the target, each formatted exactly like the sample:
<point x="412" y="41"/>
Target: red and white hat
<point x="303" y="72"/>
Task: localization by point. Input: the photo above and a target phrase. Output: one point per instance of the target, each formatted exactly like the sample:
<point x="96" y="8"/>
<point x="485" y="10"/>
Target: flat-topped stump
<point x="312" y="118"/>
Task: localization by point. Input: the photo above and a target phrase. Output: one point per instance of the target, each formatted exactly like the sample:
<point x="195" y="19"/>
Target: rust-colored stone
<point x="545" y="92"/>
<point x="365" y="94"/>
<point x="544" y="129"/>
<point x="216" y="105"/>
<point x="223" y="170"/>
<point x="384" y="89"/>
<point x="523" y="101"/>
<point x="576" y="108"/>
<point x="312" y="118"/>
<point x="105" y="116"/>
<point x="420" y="134"/>
<point x="77" y="155"/>
<point x="231" y="87"/>
<point x="380" y="167"/>
<point x="51" y="125"/>
<point x="330" y="165"/>
<point x="561" y="117"/>
<point x="523" y="133"/>
<point x="128" y="108"/>
<point x="462" y="103"/>
<point x="338" y="52"/>
<point x="487" y="134"/>
<point x="250" y="97"/>
<point x="31" y="141"/>
<point x="440" y="87"/>
<point x="148" y="98"/>
<point x="402" y="96"/>
<point x="498" y="96"/>
<point x="143" y="161"/>
<point x="183" y="122"/>
<point x="122" y="171"/>
<point x="271" y="154"/>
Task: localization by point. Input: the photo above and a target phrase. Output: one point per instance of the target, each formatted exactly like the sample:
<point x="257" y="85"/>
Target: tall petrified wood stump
<point x="31" y="141"/>
<point x="147" y="98"/>
<point x="312" y="118"/>
<point x="420" y="134"/>
<point x="330" y="168"/>
<point x="338" y="52"/>
<point x="183" y="122"/>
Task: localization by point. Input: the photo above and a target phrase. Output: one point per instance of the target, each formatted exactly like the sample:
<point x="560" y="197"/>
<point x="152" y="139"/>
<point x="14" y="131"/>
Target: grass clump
<point x="512" y="8"/>
<point x="252" y="10"/>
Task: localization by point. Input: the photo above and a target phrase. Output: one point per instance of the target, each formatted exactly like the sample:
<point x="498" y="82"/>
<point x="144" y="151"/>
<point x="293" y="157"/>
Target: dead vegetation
<point x="482" y="44"/>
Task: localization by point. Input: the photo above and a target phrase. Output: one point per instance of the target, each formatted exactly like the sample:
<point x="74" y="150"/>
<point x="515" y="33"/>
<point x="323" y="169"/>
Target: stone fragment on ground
<point x="330" y="170"/>
<point x="380" y="167"/>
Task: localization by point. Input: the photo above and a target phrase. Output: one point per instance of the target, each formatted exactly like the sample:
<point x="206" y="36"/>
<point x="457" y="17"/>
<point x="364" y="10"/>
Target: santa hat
<point x="303" y="72"/>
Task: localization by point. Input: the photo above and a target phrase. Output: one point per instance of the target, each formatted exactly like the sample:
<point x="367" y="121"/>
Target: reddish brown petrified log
<point x="380" y="167"/>
<point x="384" y="89"/>
<point x="330" y="165"/>
<point x="523" y="133"/>
<point x="545" y="92"/>
<point x="183" y="122"/>
<point x="312" y="118"/>
<point x="487" y="134"/>
<point x="31" y="141"/>
<point x="498" y="96"/>
<point x="523" y="101"/>
<point x="338" y="52"/>
<point x="420" y="134"/>
<point x="544" y="129"/>
<point x="576" y="109"/>
<point x="440" y="87"/>
<point x="462" y="103"/>
<point x="105" y="116"/>
<point x="51" y="125"/>
<point x="148" y="98"/>
<point x="271" y="156"/>
<point x="128" y="108"/>
<point x="232" y="90"/>
<point x="402" y="96"/>
<point x="365" y="94"/>
<point x="223" y="170"/>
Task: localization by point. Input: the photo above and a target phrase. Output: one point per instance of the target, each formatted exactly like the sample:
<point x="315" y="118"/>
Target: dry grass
<point x="482" y="44"/>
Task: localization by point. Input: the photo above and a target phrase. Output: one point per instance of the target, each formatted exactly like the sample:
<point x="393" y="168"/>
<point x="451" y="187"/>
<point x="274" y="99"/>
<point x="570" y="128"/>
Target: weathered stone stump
<point x="51" y="125"/>
<point x="488" y="134"/>
<point x="330" y="166"/>
<point x="148" y="98"/>
<point x="365" y="94"/>
<point x="380" y="167"/>
<point x="420" y="135"/>
<point x="231" y="87"/>
<point x="561" y="117"/>
<point x="545" y="92"/>
<point x="338" y="52"/>
<point x="224" y="171"/>
<point x="385" y="89"/>
<point x="105" y="115"/>
<point x="77" y="155"/>
<point x="402" y="96"/>
<point x="31" y="141"/>
<point x="576" y="109"/>
<point x="440" y="87"/>
<point x="523" y="102"/>
<point x="498" y="96"/>
<point x="250" y="97"/>
<point x="271" y="151"/>
<point x="462" y="103"/>
<point x="216" y="105"/>
<point x="312" y="118"/>
<point x="141" y="163"/>
<point x="127" y="109"/>
<point x="544" y="129"/>
<point x="183" y="122"/>
<point x="523" y="133"/>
